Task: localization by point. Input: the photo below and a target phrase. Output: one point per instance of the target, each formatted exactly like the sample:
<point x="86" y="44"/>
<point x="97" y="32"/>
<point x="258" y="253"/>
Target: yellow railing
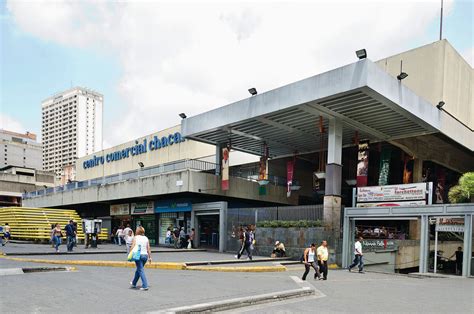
<point x="28" y="223"/>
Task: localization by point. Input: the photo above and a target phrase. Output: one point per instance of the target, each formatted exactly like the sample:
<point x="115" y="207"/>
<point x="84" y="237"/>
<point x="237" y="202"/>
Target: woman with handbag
<point x="141" y="253"/>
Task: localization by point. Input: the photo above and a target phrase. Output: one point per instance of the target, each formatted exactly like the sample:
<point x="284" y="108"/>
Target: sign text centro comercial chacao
<point x="139" y="148"/>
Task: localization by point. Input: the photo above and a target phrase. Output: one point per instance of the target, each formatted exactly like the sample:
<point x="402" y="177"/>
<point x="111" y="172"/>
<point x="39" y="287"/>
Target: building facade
<point x="71" y="127"/>
<point x="20" y="150"/>
<point x="16" y="181"/>
<point x="354" y="136"/>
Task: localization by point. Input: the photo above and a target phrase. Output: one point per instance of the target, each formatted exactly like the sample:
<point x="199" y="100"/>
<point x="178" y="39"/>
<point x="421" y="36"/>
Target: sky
<point x="155" y="59"/>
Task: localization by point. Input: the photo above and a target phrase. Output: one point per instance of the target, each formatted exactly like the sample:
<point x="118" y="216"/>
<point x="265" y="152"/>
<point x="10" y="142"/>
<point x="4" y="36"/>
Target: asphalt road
<point x="106" y="289"/>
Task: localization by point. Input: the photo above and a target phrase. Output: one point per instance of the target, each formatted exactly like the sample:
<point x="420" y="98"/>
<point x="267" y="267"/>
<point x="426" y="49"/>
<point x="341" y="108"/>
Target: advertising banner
<point x="390" y="193"/>
<point x="290" y="166"/>
<point x="142" y="208"/>
<point x="120" y="210"/>
<point x="363" y="163"/>
<point x="225" y="169"/>
<point x="385" y="157"/>
<point x="172" y="206"/>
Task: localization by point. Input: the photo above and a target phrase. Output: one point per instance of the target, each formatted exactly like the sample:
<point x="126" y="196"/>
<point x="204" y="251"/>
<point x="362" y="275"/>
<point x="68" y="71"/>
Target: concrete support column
<point x="466" y="263"/>
<point x="219" y="147"/>
<point x="417" y="170"/>
<point x="424" y="244"/>
<point x="223" y="227"/>
<point x="332" y="198"/>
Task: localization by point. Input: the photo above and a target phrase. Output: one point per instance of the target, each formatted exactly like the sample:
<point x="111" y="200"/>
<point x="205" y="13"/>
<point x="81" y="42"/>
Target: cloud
<point x="191" y="57"/>
<point x="468" y="55"/>
<point x="10" y="124"/>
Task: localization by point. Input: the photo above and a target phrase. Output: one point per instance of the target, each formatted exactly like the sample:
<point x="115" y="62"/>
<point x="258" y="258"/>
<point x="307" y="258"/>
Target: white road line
<point x="297" y="279"/>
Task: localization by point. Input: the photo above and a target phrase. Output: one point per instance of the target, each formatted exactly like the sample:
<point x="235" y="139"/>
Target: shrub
<point x="289" y="223"/>
<point x="462" y="192"/>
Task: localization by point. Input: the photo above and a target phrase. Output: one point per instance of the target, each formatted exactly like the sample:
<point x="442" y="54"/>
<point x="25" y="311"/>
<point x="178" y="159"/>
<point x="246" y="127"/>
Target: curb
<point x="242" y="302"/>
<point x="248" y="269"/>
<point x="92" y="252"/>
<point x="157" y="265"/>
<point x="234" y="261"/>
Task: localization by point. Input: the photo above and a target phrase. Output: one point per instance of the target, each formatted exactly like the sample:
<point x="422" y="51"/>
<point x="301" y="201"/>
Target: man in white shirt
<point x="358" y="256"/>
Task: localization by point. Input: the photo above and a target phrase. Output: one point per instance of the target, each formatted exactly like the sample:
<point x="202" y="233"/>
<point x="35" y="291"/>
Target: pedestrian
<point x="57" y="234"/>
<point x="127" y="230"/>
<point x="70" y="235"/>
<point x="113" y="235"/>
<point x="358" y="256"/>
<point x="120" y="235"/>
<point x="252" y="238"/>
<point x="6" y="234"/>
<point x="129" y="240"/>
<point x="182" y="238"/>
<point x="168" y="237"/>
<point x="143" y="244"/>
<point x="246" y="242"/>
<point x="191" y="237"/>
<point x="459" y="257"/>
<point x="323" y="256"/>
<point x="51" y="234"/>
<point x="75" y="230"/>
<point x="176" y="238"/>
<point x="279" y="250"/>
<point x="310" y="261"/>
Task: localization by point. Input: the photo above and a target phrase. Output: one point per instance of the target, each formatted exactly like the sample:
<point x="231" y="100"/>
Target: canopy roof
<point x="364" y="97"/>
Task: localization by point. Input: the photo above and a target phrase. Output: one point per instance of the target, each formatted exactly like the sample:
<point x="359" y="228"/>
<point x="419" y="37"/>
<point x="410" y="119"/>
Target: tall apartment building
<point x="71" y="127"/>
<point x="20" y="150"/>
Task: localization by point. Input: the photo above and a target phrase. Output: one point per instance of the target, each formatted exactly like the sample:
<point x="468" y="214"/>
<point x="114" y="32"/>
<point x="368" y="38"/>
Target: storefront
<point x="144" y="215"/>
<point x="120" y="215"/>
<point x="172" y="214"/>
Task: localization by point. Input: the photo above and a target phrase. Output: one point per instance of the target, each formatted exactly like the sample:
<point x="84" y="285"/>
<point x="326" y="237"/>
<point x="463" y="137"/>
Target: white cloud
<point x="468" y="55"/>
<point x="10" y="124"/>
<point x="192" y="57"/>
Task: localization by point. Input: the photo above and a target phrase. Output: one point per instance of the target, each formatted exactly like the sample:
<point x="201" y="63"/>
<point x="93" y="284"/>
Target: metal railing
<point x="185" y="164"/>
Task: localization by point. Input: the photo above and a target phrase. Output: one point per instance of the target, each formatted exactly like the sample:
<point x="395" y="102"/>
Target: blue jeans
<point x="70" y="242"/>
<point x="358" y="259"/>
<point x="57" y="242"/>
<point x="140" y="272"/>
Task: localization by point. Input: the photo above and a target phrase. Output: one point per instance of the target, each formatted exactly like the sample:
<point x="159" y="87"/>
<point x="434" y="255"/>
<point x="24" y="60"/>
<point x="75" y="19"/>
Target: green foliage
<point x="462" y="192"/>
<point x="289" y="223"/>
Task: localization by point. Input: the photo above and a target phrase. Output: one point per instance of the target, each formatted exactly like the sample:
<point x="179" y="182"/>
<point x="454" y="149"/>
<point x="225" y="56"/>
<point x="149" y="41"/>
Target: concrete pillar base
<point x="332" y="213"/>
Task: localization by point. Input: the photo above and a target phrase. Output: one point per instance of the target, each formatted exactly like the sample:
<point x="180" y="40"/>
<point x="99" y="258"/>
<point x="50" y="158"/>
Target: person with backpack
<point x="309" y="260"/>
<point x="71" y="235"/>
<point x="176" y="238"/>
<point x="246" y="243"/>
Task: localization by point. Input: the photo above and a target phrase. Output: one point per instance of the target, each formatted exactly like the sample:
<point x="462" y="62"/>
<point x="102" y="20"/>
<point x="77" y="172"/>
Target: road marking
<point x="297" y="279"/>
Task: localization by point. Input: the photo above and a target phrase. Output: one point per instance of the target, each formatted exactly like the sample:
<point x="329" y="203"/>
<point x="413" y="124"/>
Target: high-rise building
<point x="20" y="150"/>
<point x="71" y="127"/>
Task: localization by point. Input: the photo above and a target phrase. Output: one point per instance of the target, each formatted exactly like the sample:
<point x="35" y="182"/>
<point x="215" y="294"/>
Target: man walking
<point x="71" y="235"/>
<point x="310" y="261"/>
<point x="323" y="255"/>
<point x="358" y="256"/>
<point x="246" y="242"/>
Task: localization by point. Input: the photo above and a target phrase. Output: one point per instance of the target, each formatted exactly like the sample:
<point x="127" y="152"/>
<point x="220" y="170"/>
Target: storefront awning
<point x="363" y="96"/>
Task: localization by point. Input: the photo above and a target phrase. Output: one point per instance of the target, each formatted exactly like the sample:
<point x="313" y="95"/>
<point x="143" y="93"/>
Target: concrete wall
<point x="189" y="181"/>
<point x="184" y="150"/>
<point x="437" y="72"/>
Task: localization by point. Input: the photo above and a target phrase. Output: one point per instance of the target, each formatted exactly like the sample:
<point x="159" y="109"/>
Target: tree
<point x="464" y="191"/>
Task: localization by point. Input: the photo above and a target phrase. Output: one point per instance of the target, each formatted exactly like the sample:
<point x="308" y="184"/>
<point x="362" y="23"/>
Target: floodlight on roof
<point x="361" y="54"/>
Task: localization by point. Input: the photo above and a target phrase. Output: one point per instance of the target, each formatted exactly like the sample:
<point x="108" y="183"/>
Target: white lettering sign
<point x="389" y="193"/>
<point x="450" y="228"/>
<point x="119" y="210"/>
<point x="143" y="208"/>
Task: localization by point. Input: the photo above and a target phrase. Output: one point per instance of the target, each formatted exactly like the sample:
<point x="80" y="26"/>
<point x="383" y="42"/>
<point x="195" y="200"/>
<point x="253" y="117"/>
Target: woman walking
<point x="143" y="244"/>
<point x="57" y="234"/>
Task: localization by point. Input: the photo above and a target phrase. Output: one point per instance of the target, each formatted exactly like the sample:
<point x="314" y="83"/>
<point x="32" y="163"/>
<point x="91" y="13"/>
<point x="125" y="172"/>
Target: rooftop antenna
<point x="441" y="22"/>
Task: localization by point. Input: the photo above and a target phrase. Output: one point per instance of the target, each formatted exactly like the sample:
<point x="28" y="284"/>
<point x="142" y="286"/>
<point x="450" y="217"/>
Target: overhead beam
<point x="325" y="112"/>
<point x="283" y="127"/>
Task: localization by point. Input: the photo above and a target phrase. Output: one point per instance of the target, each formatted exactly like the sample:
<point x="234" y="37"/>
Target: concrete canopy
<point x="361" y="95"/>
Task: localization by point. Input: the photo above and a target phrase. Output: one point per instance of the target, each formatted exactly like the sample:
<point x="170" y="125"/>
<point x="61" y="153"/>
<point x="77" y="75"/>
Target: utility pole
<point x="441" y="22"/>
